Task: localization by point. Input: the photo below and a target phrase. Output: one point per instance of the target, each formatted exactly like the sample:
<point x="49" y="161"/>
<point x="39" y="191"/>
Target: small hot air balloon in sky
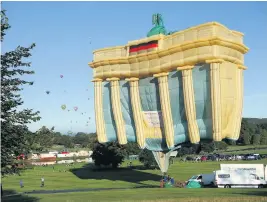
<point x="89" y="118"/>
<point x="47" y="92"/>
<point x="75" y="108"/>
<point x="68" y="110"/>
<point x="82" y="113"/>
<point x="61" y="76"/>
<point x="88" y="98"/>
<point x="63" y="107"/>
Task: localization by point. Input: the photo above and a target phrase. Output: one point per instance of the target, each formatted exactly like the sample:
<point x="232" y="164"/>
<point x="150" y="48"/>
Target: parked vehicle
<point x="203" y="158"/>
<point x="237" y="179"/>
<point x="258" y="169"/>
<point x="205" y="179"/>
<point x="250" y="157"/>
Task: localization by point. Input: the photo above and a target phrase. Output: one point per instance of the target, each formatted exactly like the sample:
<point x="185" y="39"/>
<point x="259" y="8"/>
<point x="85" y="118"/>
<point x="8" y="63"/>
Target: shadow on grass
<point x="13" y="196"/>
<point x="132" y="175"/>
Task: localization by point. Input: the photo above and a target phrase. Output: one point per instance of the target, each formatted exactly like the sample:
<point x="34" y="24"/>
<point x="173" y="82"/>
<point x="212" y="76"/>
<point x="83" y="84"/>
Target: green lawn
<point x="84" y="177"/>
<point x="155" y="195"/>
<point x="247" y="149"/>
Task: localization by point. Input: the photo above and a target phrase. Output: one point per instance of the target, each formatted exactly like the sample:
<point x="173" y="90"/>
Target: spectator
<point x="162" y="183"/>
<point x="21" y="184"/>
<point x="42" y="182"/>
<point x="168" y="178"/>
<point x="172" y="181"/>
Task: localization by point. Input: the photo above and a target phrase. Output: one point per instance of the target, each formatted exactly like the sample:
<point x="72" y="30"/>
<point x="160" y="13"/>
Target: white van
<point x="258" y="169"/>
<point x="206" y="179"/>
<point x="237" y="179"/>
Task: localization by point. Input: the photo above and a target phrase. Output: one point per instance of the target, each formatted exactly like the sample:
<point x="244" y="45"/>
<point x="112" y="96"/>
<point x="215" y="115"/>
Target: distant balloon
<point x="75" y="108"/>
<point x="63" y="107"/>
<point x="47" y="92"/>
<point x="82" y="113"/>
<point x="88" y="98"/>
<point x="68" y="110"/>
<point x="61" y="76"/>
<point x="89" y="118"/>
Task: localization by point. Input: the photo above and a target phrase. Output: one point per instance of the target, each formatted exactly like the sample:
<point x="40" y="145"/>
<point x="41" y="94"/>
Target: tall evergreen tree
<point x="13" y="120"/>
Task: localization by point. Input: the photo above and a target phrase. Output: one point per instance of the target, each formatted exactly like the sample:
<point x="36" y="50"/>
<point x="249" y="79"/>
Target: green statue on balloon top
<point x="159" y="28"/>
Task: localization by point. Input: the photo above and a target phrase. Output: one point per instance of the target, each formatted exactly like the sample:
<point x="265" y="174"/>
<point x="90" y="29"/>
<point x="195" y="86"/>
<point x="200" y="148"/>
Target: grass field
<point x="82" y="177"/>
<point x="247" y="149"/>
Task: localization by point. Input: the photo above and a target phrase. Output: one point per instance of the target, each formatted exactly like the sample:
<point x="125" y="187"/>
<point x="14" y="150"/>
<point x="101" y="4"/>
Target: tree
<point x="247" y="138"/>
<point x="108" y="154"/>
<point x="82" y="139"/>
<point x="13" y="120"/>
<point x="147" y="158"/>
<point x="92" y="140"/>
<point x="256" y="139"/>
<point x="132" y="148"/>
<point x="263" y="137"/>
<point x="45" y="137"/>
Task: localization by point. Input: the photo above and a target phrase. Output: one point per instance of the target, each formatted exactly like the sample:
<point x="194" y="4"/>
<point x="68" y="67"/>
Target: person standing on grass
<point x="42" y="182"/>
<point x="21" y="184"/>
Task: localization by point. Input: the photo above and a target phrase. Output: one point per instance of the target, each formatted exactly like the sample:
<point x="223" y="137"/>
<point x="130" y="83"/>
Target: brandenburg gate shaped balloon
<point x="170" y="88"/>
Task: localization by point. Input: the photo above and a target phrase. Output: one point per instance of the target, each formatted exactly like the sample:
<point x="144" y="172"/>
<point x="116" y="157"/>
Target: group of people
<point x="21" y="184"/>
<point x="166" y="180"/>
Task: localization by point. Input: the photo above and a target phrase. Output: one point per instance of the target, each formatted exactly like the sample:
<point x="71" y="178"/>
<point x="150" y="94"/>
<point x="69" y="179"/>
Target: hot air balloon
<point x="75" y="108"/>
<point x="185" y="100"/>
<point x="61" y="76"/>
<point x="63" y="107"/>
<point x="47" y="92"/>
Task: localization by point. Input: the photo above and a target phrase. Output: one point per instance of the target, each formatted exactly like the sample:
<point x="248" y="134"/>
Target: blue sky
<point x="66" y="33"/>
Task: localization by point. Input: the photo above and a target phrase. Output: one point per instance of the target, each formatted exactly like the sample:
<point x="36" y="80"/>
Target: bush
<point x="207" y="147"/>
<point x="221" y="145"/>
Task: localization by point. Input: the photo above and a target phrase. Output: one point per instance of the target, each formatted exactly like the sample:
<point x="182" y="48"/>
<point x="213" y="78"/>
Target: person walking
<point x="21" y="184"/>
<point x="42" y="182"/>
